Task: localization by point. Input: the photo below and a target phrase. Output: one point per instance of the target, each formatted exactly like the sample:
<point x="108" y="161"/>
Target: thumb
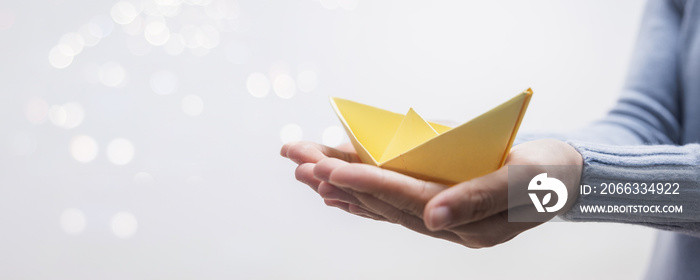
<point x="469" y="201"/>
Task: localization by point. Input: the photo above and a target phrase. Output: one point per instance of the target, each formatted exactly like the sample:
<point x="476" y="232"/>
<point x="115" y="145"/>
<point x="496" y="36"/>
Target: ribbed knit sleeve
<point x="608" y="164"/>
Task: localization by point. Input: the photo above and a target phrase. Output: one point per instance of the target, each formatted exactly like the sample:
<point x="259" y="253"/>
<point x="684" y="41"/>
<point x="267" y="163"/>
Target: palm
<point x="476" y="209"/>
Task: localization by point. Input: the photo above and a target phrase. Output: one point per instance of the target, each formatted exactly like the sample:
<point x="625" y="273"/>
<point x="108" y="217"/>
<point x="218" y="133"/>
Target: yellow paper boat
<point x="410" y="145"/>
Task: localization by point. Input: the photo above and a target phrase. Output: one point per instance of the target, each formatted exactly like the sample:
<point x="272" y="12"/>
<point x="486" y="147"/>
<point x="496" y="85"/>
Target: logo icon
<point x="542" y="183"/>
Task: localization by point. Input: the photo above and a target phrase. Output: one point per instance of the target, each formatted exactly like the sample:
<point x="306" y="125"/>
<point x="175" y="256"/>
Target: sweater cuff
<point x="652" y="164"/>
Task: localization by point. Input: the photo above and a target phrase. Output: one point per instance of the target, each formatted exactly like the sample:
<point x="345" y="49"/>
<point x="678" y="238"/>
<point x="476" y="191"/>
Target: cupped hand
<point x="472" y="213"/>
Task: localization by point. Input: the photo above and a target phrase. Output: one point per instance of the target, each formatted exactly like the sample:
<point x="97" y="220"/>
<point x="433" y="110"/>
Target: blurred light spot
<point x="74" y="41"/>
<point x="198" y="2"/>
<point x="192" y="105"/>
<point x="278" y="68"/>
<point x="124" y="225"/>
<point x="112" y="74"/>
<point x="22" y="144"/>
<point x="135" y="27"/>
<point x="307" y="81"/>
<point x="348" y="5"/>
<point x="284" y="86"/>
<point x="291" y="133"/>
<point x="61" y="56"/>
<point x="329" y="4"/>
<point x="220" y="9"/>
<point x="169" y="9"/>
<point x="104" y="25"/>
<point x="143" y="179"/>
<point x="91" y="34"/>
<point x="74" y="115"/>
<point x="164" y="82"/>
<point x="137" y="45"/>
<point x="237" y="53"/>
<point x="156" y="32"/>
<point x="58" y="115"/>
<point x="207" y="36"/>
<point x="7" y="19"/>
<point x="189" y="36"/>
<point x="83" y="148"/>
<point x="36" y="110"/>
<point x="120" y="151"/>
<point x="73" y="221"/>
<point x="175" y="45"/>
<point x="333" y="136"/>
<point x="258" y="85"/>
<point x="151" y="8"/>
<point x="124" y="12"/>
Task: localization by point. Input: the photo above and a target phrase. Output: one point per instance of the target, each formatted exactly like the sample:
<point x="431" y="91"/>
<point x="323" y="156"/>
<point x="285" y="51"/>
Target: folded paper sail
<point x="410" y="145"/>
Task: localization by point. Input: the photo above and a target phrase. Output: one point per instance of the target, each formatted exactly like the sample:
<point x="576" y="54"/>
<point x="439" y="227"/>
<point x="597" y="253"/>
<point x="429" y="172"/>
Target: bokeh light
<point x="333" y="136"/>
<point x="58" y="115"/>
<point x="83" y="148"/>
<point x="61" y="56"/>
<point x="112" y="74"/>
<point x="192" y="105"/>
<point x="284" y="86"/>
<point x="69" y="115"/>
<point x="291" y="133"/>
<point x="124" y="12"/>
<point x="207" y="36"/>
<point x="164" y="82"/>
<point x="74" y="114"/>
<point x="120" y="151"/>
<point x="258" y="85"/>
<point x="134" y="28"/>
<point x="74" y="41"/>
<point x="175" y="45"/>
<point x="124" y="225"/>
<point x="37" y="110"/>
<point x="73" y="221"/>
<point x="91" y="34"/>
<point x="156" y="31"/>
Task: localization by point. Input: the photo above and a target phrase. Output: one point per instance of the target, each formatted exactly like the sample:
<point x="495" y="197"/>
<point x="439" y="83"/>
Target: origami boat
<point x="426" y="150"/>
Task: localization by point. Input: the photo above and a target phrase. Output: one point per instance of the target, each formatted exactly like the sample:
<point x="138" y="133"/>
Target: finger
<point x="353" y="209"/>
<point x="324" y="167"/>
<point x="492" y="230"/>
<point x="347" y="148"/>
<point x="469" y="201"/>
<point x="338" y="204"/>
<point x="305" y="173"/>
<point x="397" y="216"/>
<point x="359" y="210"/>
<point x="328" y="191"/>
<point x="309" y="152"/>
<point x="398" y="190"/>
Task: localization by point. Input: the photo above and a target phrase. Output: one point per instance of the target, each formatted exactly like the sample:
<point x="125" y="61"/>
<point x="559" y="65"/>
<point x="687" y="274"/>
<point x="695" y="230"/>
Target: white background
<point x="150" y="151"/>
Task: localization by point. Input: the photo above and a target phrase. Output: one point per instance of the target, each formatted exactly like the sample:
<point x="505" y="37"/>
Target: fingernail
<point x="440" y="217"/>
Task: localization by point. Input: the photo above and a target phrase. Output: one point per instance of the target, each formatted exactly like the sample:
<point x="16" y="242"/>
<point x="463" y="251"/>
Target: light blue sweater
<point x="656" y="122"/>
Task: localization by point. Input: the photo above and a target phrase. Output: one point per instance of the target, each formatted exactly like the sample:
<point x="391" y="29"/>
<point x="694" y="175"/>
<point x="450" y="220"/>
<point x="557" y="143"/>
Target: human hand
<point x="472" y="213"/>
